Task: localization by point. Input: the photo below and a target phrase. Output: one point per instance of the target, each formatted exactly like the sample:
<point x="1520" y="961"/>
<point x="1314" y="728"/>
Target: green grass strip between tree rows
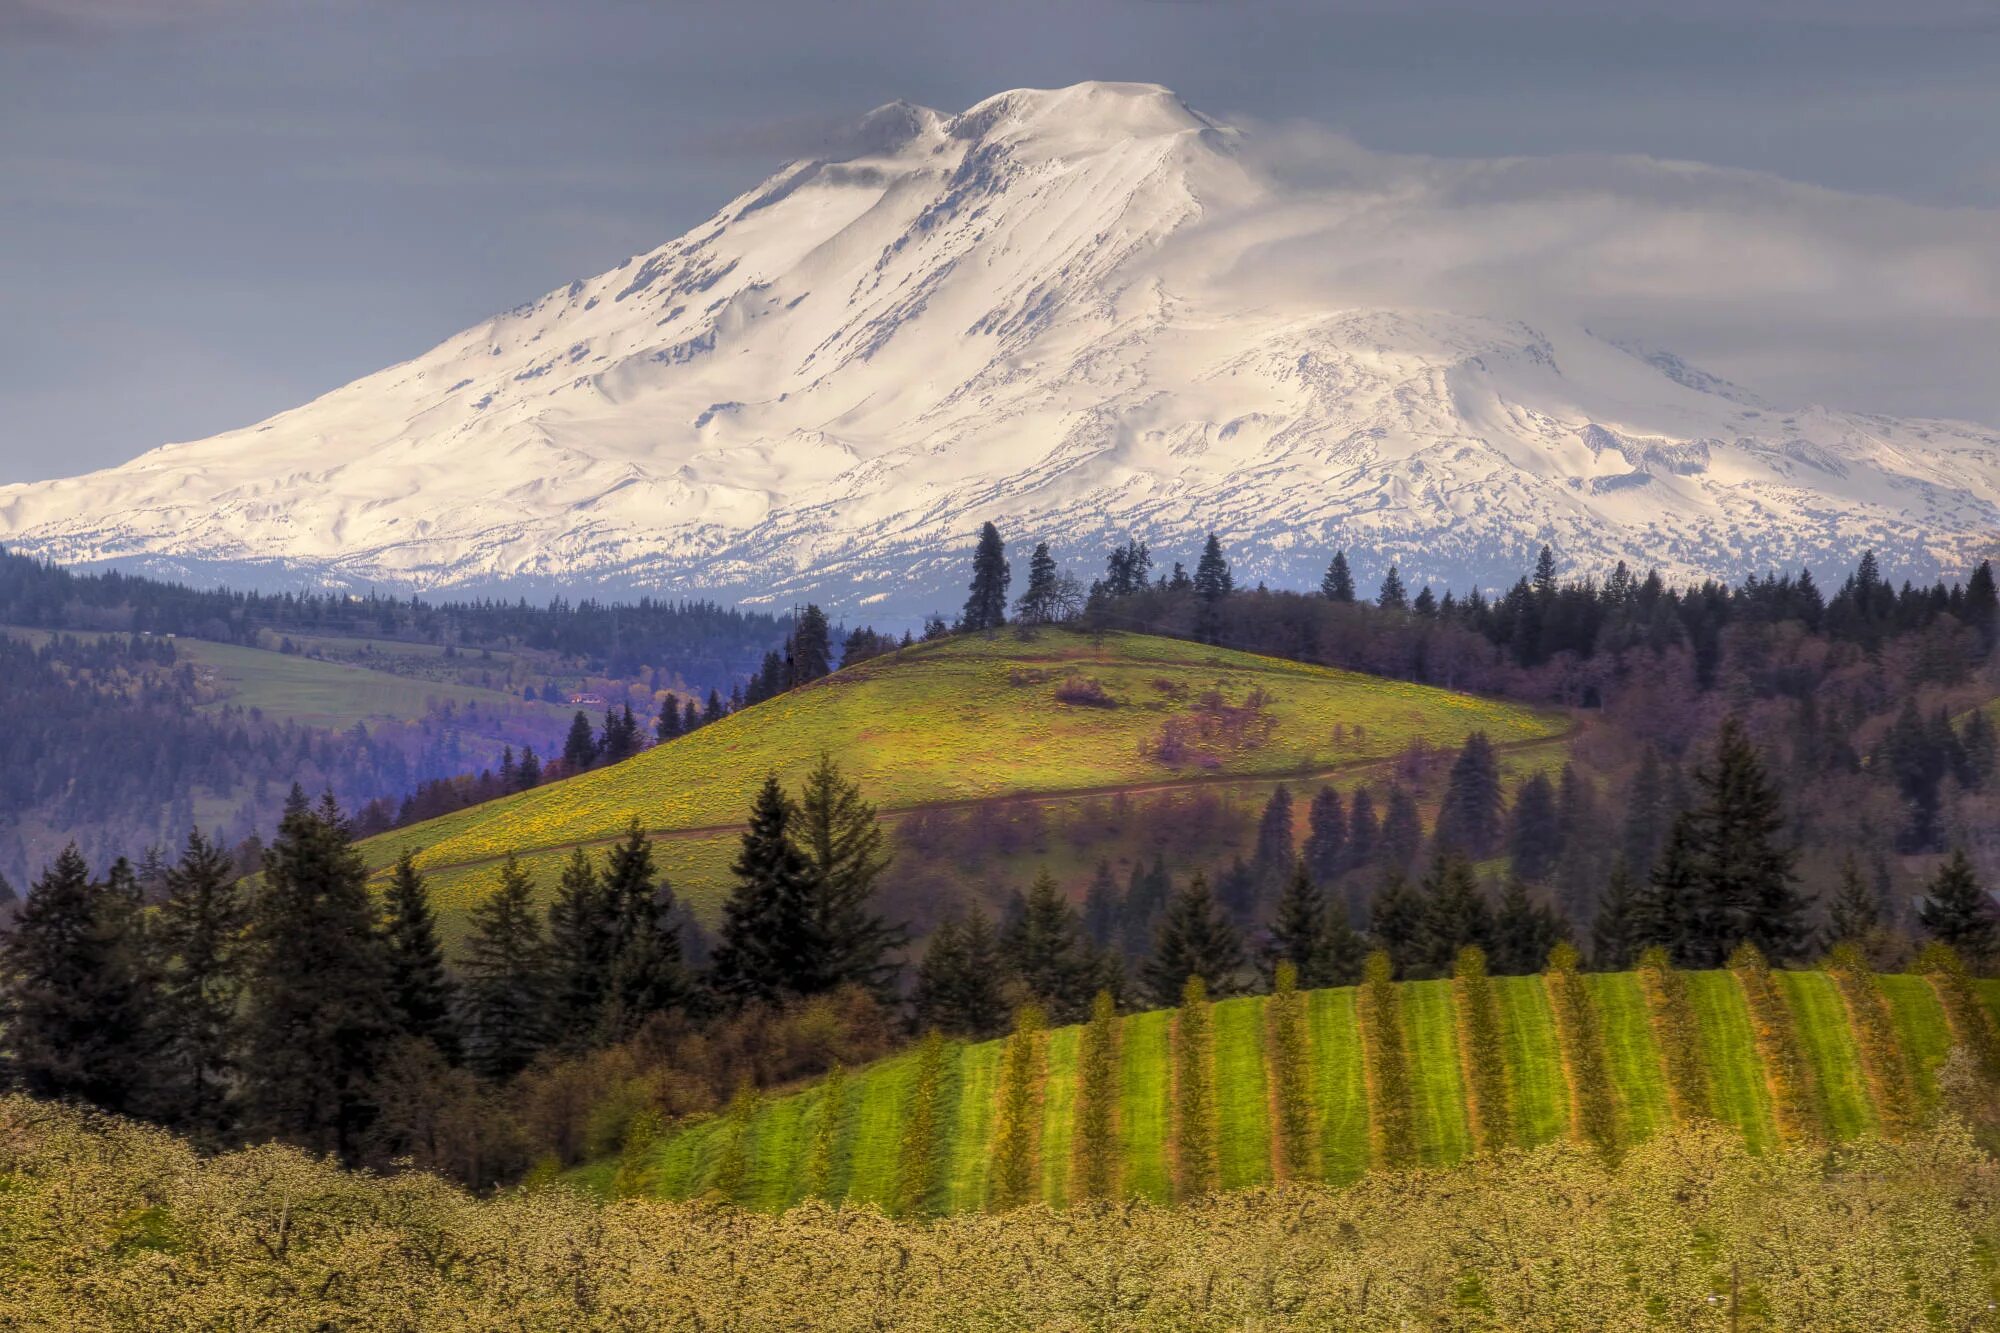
<point x="1430" y="1029"/>
<point x="1728" y="1047"/>
<point x="1144" y="1119"/>
<point x="1826" y="1038"/>
<point x="1242" y="1093"/>
<point x="1335" y="1033"/>
<point x="1631" y="1055"/>
<point x="1534" y="1060"/>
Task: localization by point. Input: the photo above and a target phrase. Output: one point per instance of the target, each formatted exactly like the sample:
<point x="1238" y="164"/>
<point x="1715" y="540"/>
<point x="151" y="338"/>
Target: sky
<point x="212" y="210"/>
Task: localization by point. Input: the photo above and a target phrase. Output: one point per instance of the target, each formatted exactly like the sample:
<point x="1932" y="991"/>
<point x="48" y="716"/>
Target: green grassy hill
<point x="969" y="718"/>
<point x="1780" y="1057"/>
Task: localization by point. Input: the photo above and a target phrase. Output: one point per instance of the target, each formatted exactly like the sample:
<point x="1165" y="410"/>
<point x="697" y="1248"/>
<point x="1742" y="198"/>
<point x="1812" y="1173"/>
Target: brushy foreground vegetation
<point x="106" y="1225"/>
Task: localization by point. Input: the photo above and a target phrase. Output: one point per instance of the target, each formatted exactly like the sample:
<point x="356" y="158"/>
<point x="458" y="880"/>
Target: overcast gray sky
<point x="211" y="210"/>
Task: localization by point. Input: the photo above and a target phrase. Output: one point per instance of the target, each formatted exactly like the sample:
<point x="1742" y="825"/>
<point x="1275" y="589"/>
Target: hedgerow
<point x="1295" y="1131"/>
<point x="1795" y="1099"/>
<point x="1094" y="1173"/>
<point x="1390" y="1115"/>
<point x="1672" y="1012"/>
<point x="1481" y="1051"/>
<point x="1197" y="1159"/>
<point x="1578" y="1032"/>
<point x="1017" y="1127"/>
<point x="917" y="1153"/>
<point x="1891" y="1081"/>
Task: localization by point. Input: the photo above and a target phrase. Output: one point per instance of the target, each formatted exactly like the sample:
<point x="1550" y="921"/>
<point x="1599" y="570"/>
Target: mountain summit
<point x="1085" y="313"/>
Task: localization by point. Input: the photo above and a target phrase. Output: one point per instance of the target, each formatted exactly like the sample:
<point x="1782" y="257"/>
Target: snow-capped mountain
<point x="1069" y="311"/>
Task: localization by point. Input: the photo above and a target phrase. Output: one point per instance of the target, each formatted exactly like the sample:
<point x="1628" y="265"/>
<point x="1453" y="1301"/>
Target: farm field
<point x="1058" y="716"/>
<point x="868" y="1136"/>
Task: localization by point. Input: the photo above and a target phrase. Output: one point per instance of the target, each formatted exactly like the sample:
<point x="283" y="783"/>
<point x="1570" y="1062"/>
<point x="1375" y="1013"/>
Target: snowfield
<point x="1068" y="311"/>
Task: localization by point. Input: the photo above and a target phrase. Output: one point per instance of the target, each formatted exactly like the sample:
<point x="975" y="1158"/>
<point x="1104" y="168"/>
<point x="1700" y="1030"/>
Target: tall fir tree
<point x="580" y="749"/>
<point x="1649" y="814"/>
<point x="1456" y="914"/>
<point x="1469" y="820"/>
<point x="1854" y="914"/>
<point x="812" y="647"/>
<point x="1195" y="939"/>
<point x="420" y="989"/>
<point x="769" y="938"/>
<point x="1402" y="834"/>
<point x="580" y="943"/>
<point x="1338" y="584"/>
<point x="1326" y="837"/>
<point x="1212" y="584"/>
<point x="1584" y="859"/>
<point x="1364" y="830"/>
<point x="1037" y="604"/>
<point x="1396" y="921"/>
<point x="1614" y="940"/>
<point x="1146" y="897"/>
<point x="845" y="852"/>
<point x="1391" y="597"/>
<point x="1298" y="930"/>
<point x="1959" y="912"/>
<point x="506" y="970"/>
<point x="1747" y="890"/>
<point x="960" y="982"/>
<point x="647" y="975"/>
<point x="1101" y="908"/>
<point x="1534" y="834"/>
<point x="986" y="599"/>
<point x="78" y="993"/>
<point x="318" y="1019"/>
<point x="198" y="939"/>
<point x="1273" y="857"/>
<point x="1664" y="913"/>
<point x="1046" y="951"/>
<point x="1524" y="931"/>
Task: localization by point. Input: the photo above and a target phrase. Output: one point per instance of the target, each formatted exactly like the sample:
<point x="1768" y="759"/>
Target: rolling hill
<point x="1779" y="1058"/>
<point x="1062" y="716"/>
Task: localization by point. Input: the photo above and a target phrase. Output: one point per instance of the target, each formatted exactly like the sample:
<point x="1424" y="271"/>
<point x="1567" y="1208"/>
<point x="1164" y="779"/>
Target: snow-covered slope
<point x="1067" y="311"/>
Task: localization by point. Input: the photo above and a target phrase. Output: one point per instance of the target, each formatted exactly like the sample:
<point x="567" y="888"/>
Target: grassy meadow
<point x="970" y="718"/>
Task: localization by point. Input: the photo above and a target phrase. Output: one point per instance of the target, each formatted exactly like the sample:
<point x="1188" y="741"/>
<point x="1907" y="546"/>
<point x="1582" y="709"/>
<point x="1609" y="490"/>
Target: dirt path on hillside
<point x="1054" y="797"/>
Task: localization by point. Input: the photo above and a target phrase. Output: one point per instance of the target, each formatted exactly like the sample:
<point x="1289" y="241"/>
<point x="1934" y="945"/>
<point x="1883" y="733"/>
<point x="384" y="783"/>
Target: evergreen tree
<point x="1101" y="908"/>
<point x="690" y="716"/>
<point x="580" y="749"/>
<point x="1146" y="899"/>
<point x="770" y="940"/>
<point x="1212" y="583"/>
<point x="714" y="710"/>
<point x="1338" y="585"/>
<point x="1746" y="887"/>
<point x="1273" y="857"/>
<point x="198" y="939"/>
<point x="1664" y="913"/>
<point x="836" y="833"/>
<point x="580" y="942"/>
<point x="1045" y="949"/>
<point x="1397" y="922"/>
<point x="529" y="775"/>
<point x="78" y="994"/>
<point x="1298" y="930"/>
<point x="959" y="989"/>
<point x="506" y="978"/>
<point x="1455" y="915"/>
<point x="1342" y="952"/>
<point x="318" y="1019"/>
<point x="668" y="725"/>
<point x="647" y="975"/>
<point x="1614" y="935"/>
<point x="1982" y="604"/>
<point x="1523" y="932"/>
<point x="1469" y="818"/>
<point x="1392" y="597"/>
<point x="1039" y="603"/>
<point x="1649" y="814"/>
<point x="986" y="601"/>
<point x="420" y="992"/>
<point x="1960" y="913"/>
<point x="1364" y="831"/>
<point x="1854" y="914"/>
<point x="1534" y="835"/>
<point x="1195" y="939"/>
<point x="1582" y="863"/>
<point x="1402" y="834"/>
<point x="1326" y="837"/>
<point x="812" y="647"/>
